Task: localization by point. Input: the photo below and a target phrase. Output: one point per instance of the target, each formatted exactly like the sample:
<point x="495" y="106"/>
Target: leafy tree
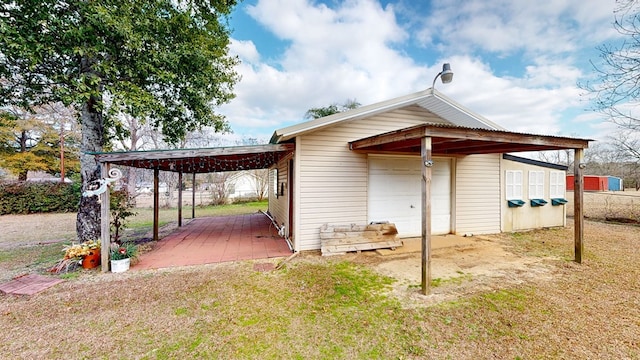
<point x="315" y="113"/>
<point x="31" y="142"/>
<point x="7" y="121"/>
<point x="121" y="209"/>
<point x="165" y="62"/>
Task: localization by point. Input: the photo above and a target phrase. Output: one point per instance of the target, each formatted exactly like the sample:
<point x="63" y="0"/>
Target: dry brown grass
<point x="19" y="230"/>
<point x="327" y="308"/>
<point x="587" y="311"/>
<point x="620" y="206"/>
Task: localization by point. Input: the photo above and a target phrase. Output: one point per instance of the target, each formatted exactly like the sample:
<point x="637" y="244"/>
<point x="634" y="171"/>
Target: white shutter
<point x="536" y="184"/>
<point x="557" y="182"/>
<point x="513" y="182"/>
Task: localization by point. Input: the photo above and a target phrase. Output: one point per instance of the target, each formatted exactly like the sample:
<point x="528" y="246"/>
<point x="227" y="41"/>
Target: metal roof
<point x="535" y="162"/>
<point x="450" y="139"/>
<point x="429" y="99"/>
<point x="203" y="160"/>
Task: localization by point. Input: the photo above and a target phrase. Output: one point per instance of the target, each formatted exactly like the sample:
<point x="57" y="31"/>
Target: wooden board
<point x="339" y="239"/>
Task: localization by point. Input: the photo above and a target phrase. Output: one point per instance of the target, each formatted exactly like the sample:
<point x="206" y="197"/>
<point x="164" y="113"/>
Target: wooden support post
<point x="578" y="209"/>
<point x="180" y="199"/>
<point x="105" y="235"/>
<point x="427" y="163"/>
<point x="193" y="197"/>
<point x="156" y="202"/>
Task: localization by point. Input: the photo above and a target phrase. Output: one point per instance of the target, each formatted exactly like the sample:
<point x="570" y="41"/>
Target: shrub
<point x="121" y="204"/>
<point x="29" y="198"/>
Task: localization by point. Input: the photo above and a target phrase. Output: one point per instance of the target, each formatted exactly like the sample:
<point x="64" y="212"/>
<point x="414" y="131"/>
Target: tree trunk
<point x="132" y="177"/>
<point x="88" y="221"/>
<point x="22" y="140"/>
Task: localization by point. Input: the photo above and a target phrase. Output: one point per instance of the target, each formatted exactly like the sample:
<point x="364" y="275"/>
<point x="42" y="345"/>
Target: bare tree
<point x="219" y="186"/>
<point x="615" y="91"/>
<point x="261" y="182"/>
<point x="561" y="157"/>
<point x="627" y="148"/>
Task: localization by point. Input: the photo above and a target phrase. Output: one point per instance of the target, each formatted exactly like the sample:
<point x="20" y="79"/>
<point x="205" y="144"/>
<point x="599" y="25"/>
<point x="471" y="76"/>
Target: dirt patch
<point x="470" y="264"/>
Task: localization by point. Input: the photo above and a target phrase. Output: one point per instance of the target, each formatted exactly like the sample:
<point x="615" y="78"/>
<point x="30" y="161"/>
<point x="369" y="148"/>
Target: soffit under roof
<point x="455" y="140"/>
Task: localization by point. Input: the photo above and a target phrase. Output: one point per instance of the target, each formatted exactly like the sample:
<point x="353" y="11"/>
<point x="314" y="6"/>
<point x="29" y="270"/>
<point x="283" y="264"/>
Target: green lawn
<point x="144" y="216"/>
<point x="37" y="249"/>
<point x="340" y="308"/>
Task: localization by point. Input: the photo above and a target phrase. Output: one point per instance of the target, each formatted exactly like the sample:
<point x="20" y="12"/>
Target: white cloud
<point x="334" y="55"/>
<point x="507" y="26"/>
<point x="246" y="50"/>
<point x="357" y="49"/>
<point x="552" y="74"/>
<point x="508" y="101"/>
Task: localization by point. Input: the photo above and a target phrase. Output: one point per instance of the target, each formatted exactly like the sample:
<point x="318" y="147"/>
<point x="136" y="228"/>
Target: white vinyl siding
<point x="513" y="184"/>
<point x="557" y="183"/>
<point x="333" y="180"/>
<point x="477" y="195"/>
<point x="536" y="184"/>
<point x="279" y="205"/>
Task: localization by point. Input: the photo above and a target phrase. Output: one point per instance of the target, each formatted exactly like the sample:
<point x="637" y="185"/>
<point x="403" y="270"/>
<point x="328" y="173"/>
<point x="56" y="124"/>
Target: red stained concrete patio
<point x="217" y="239"/>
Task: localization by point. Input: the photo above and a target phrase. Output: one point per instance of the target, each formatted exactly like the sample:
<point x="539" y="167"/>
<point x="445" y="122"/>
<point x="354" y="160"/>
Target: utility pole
<point x="62" y="153"/>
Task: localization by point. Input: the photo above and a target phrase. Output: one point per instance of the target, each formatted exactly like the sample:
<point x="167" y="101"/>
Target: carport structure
<point x="424" y="140"/>
<point x="183" y="161"/>
<point x="429" y="139"/>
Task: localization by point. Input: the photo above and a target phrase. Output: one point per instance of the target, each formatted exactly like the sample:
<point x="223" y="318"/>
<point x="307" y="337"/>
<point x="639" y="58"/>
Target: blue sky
<point x="516" y="62"/>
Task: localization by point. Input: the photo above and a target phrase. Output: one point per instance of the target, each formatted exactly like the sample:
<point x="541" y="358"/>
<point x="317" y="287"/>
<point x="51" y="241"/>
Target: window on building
<point x="536" y="184"/>
<point x="513" y="181"/>
<point x="557" y="181"/>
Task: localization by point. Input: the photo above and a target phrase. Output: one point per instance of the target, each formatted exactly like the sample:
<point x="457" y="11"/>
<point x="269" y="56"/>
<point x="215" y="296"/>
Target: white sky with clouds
<point x="516" y="62"/>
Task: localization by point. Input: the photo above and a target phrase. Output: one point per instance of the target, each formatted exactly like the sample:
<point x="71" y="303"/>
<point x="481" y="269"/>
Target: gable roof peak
<point x="429" y="99"/>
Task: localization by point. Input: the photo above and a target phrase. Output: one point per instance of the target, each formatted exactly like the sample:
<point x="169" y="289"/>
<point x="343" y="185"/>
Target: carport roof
<point x="203" y="160"/>
<point x="446" y="139"/>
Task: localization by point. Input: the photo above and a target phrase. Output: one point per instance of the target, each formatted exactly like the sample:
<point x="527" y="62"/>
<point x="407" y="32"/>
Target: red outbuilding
<point x="591" y="183"/>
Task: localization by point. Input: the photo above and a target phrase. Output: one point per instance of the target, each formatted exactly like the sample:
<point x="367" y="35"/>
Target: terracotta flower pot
<point x="92" y="260"/>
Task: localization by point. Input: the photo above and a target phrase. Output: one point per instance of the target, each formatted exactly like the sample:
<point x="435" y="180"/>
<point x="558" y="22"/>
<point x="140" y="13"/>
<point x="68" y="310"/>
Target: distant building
<point x="41" y="176"/>
<point x="147" y="188"/>
<point x="597" y="183"/>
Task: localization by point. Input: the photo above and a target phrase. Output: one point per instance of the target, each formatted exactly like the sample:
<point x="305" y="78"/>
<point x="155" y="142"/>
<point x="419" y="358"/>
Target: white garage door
<point x="395" y="194"/>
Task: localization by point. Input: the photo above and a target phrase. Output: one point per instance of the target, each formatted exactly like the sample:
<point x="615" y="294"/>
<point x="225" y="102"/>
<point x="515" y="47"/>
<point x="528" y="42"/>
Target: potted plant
<point x="121" y="256"/>
<point x="91" y="254"/>
<point x="86" y="254"/>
